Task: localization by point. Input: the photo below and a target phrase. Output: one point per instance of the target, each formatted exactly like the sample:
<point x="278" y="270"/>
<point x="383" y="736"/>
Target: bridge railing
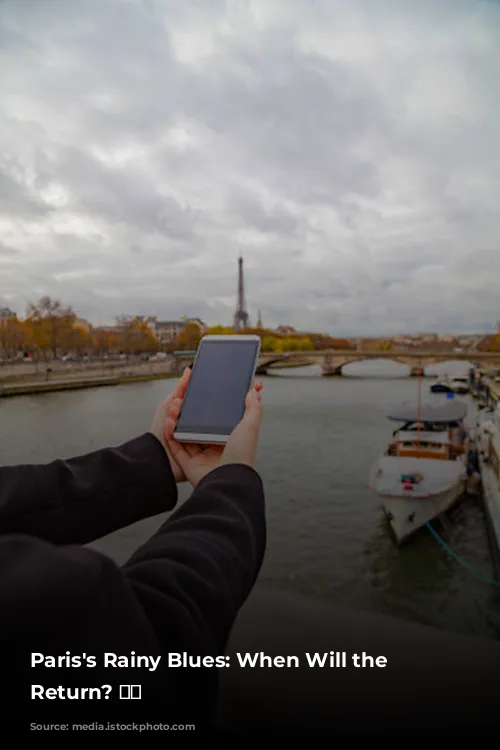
<point x="391" y="353"/>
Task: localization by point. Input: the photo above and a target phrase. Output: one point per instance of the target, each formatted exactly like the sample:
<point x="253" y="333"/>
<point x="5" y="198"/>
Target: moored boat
<point x="458" y="384"/>
<point x="442" y="385"/>
<point x="423" y="471"/>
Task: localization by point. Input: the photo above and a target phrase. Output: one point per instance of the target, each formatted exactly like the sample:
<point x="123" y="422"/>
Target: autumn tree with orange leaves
<point x="273" y="341"/>
<point x="490" y="344"/>
<point x="134" y="336"/>
<point x="50" y="325"/>
<point x="189" y="338"/>
<point x="14" y="337"/>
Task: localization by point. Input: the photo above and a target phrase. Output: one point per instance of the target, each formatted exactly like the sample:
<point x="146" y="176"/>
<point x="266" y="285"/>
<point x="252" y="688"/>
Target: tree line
<point x="271" y="341"/>
<point x="490" y="343"/>
<point x="52" y="328"/>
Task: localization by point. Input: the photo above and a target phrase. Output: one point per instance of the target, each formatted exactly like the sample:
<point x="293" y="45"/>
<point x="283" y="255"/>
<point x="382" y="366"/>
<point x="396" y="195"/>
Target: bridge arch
<point x="404" y="368"/>
<point x="333" y="363"/>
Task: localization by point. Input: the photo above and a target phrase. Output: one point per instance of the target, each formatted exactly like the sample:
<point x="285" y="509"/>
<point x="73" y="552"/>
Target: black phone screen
<point x="220" y="380"/>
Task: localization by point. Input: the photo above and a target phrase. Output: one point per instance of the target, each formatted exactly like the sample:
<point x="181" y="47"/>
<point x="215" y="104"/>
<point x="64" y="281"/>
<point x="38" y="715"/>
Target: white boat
<point x="423" y="472"/>
<point x="441" y="385"/>
<point x="458" y="384"/>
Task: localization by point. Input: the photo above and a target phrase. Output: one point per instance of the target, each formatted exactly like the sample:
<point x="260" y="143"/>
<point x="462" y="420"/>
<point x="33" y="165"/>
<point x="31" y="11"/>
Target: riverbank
<point x="73" y="384"/>
<point x="36" y="372"/>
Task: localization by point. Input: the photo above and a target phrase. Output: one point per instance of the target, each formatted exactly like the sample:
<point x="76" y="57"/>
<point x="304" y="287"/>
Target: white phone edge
<point x="204" y="439"/>
<point x="193" y="437"/>
<point x="230" y="337"/>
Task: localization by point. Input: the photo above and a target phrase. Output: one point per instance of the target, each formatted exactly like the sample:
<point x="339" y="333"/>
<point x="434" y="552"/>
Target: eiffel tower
<point x="241" y="319"/>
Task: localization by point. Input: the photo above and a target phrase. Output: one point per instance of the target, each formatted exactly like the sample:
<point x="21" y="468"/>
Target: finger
<point x="258" y="385"/>
<point x="177" y="451"/>
<point x="171" y="416"/>
<point x="180" y="389"/>
<point x="178" y="454"/>
<point x="252" y="400"/>
<point x="253" y="410"/>
<point x="170" y="428"/>
<point x="212" y="451"/>
<point x="192" y="449"/>
<point x="189" y="449"/>
<point x="183" y="383"/>
<point x="174" y="409"/>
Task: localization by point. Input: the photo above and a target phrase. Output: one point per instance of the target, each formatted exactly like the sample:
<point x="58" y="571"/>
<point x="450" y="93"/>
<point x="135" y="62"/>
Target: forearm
<point x="78" y="500"/>
<point x="72" y="600"/>
<point x="180" y="592"/>
<point x="206" y="558"/>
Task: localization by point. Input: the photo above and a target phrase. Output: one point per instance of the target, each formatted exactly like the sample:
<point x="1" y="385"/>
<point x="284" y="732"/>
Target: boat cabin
<point x="421" y="444"/>
<point x="429" y="432"/>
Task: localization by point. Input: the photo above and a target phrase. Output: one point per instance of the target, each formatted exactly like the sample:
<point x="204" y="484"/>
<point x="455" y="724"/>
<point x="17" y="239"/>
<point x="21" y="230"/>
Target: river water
<point x="326" y="532"/>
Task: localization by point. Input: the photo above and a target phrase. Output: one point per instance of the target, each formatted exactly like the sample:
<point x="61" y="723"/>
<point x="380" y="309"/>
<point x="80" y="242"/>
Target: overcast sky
<point x="349" y="150"/>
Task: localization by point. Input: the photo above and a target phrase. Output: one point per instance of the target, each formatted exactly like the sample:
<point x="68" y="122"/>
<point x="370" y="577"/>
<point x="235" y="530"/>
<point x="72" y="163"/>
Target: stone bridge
<point x="332" y="361"/>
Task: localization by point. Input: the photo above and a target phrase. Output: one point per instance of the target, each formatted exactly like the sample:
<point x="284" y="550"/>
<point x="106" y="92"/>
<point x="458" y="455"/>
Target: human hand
<point x="196" y="461"/>
<point x="160" y="422"/>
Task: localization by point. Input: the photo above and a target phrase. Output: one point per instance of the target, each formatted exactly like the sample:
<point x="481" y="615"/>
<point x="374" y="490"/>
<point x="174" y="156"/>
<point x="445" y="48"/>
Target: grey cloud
<point x="302" y="120"/>
<point x="120" y="195"/>
<point x="15" y="198"/>
<point x="248" y="206"/>
<point x="350" y="151"/>
<point x="6" y="251"/>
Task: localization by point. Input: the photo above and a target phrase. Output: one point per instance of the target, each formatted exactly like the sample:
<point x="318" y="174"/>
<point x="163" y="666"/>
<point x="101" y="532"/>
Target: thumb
<point x="253" y="410"/>
<point x="242" y="443"/>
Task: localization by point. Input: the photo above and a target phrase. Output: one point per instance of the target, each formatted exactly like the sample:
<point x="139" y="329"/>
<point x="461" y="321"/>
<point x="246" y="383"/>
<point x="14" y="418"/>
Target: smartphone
<point x="222" y="375"/>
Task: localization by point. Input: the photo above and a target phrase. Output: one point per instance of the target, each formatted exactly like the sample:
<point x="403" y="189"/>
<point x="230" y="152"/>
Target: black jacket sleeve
<point x="179" y="594"/>
<point x="79" y="500"/>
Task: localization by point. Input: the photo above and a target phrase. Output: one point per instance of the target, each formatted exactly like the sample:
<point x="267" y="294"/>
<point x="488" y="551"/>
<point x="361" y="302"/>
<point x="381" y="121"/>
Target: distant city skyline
<point x="177" y="321"/>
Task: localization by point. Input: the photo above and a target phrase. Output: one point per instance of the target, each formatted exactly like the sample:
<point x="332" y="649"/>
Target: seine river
<point x="326" y="533"/>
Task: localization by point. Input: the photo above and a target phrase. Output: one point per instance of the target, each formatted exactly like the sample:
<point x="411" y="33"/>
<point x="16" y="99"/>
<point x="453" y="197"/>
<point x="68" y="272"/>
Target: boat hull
<point x="406" y="516"/>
